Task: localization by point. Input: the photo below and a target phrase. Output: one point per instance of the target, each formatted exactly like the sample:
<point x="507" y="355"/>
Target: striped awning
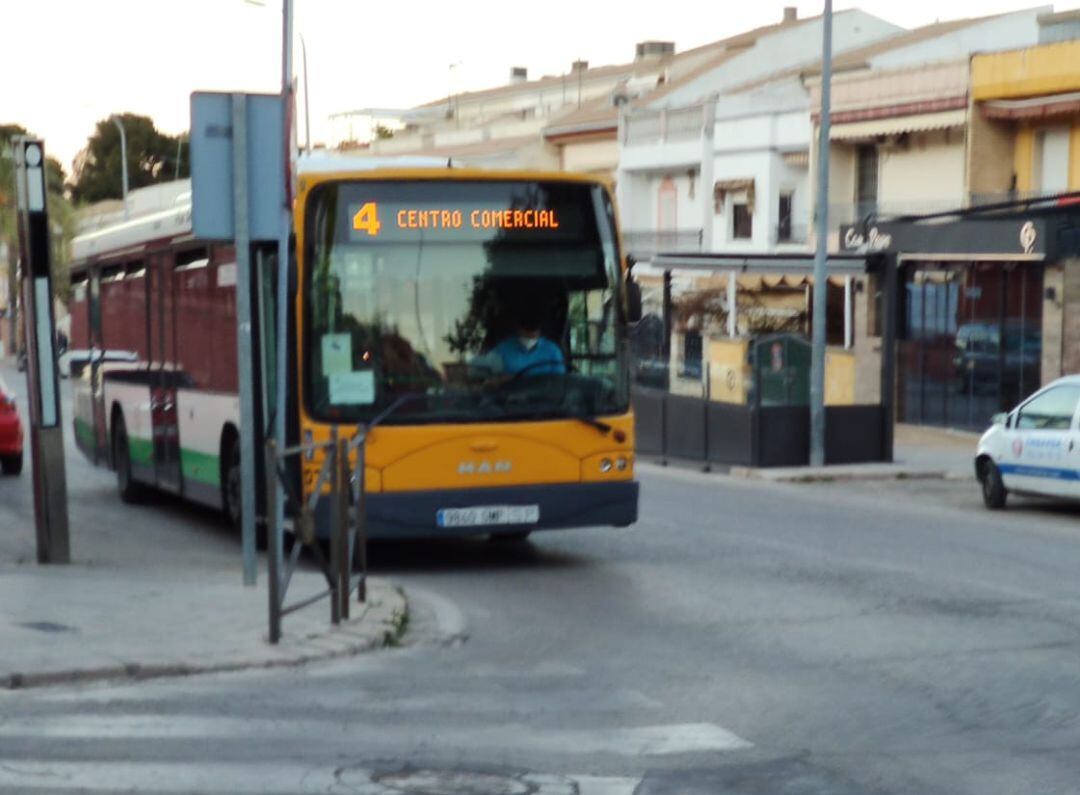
<point x="898" y="125"/>
<point x="781" y="281"/>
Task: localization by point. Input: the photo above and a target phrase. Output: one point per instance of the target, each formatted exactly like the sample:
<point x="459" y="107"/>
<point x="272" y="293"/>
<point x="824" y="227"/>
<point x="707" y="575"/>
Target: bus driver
<point x="526" y="349"/>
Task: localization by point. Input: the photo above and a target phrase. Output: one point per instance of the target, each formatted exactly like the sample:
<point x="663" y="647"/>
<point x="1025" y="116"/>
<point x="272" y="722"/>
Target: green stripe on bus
<point x="202" y="467"/>
<point x="84" y="431"/>
<point x="141" y="451"/>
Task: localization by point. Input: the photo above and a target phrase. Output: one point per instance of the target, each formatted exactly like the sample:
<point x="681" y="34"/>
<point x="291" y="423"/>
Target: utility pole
<point x="282" y="332"/>
<point x="42" y="374"/>
<point x="821" y="254"/>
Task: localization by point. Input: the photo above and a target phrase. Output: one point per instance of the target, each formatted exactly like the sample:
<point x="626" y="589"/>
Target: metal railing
<point x="643" y="244"/>
<point x="348" y="539"/>
<point x="659" y="126"/>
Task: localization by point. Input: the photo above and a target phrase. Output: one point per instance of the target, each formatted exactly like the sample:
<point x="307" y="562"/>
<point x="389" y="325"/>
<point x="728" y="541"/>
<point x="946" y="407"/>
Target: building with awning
<point x="988" y="304"/>
<point x="899" y="122"/>
<point x="1025" y="122"/>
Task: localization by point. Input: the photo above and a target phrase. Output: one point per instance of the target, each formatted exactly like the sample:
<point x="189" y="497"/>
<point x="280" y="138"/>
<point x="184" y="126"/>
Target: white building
<point x="722" y="162"/>
<point x="900" y="116"/>
<point x="720" y="158"/>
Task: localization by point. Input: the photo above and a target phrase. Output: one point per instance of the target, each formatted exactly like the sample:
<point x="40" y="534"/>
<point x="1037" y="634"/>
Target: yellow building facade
<point x="1025" y="121"/>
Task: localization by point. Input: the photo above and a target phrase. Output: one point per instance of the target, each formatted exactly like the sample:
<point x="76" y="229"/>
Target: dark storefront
<point x="970" y="342"/>
<point x="972" y="331"/>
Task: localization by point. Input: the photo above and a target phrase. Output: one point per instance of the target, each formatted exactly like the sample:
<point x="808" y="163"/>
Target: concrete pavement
<point x="76" y="623"/>
<point x="154" y="589"/>
<point x="920" y="453"/>
<point x="743" y="637"/>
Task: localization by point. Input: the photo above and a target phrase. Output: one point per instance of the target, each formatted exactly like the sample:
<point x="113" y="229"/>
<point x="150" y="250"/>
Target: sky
<point x="65" y="64"/>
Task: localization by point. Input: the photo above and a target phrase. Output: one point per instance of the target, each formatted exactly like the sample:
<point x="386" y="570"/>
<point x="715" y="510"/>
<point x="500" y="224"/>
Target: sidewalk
<point x="920" y="452"/>
<point x="76" y="623"/>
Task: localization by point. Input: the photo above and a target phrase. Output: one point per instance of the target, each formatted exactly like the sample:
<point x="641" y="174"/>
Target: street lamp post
<point x="123" y="159"/>
<point x="821" y="254"/>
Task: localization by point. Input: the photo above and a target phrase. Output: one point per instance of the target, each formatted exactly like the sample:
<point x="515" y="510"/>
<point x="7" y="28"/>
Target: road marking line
<point x="636" y="741"/>
<point x="236" y="778"/>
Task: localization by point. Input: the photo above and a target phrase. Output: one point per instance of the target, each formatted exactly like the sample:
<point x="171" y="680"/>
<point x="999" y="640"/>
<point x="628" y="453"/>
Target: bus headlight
<point x="605" y="464"/>
<point x="621" y="463"/>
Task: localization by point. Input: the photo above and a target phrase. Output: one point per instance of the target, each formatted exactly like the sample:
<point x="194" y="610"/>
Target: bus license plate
<point x="484" y="515"/>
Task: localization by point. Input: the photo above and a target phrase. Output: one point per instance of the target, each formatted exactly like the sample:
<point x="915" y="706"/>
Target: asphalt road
<point x="742" y="638"/>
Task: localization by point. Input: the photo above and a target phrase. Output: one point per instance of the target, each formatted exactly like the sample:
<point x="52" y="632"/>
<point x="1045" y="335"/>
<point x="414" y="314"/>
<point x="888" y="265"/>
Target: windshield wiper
<point x="553" y="413"/>
<point x="592" y="422"/>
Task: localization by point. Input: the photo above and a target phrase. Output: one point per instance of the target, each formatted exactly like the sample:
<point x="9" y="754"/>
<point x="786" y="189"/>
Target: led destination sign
<point x="377" y="219"/>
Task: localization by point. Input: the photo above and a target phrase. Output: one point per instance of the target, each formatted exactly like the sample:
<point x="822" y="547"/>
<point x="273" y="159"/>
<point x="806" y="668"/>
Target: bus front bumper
<point x="415" y="514"/>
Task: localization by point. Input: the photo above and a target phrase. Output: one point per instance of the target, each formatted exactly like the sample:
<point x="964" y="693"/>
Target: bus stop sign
<point x="212" y="166"/>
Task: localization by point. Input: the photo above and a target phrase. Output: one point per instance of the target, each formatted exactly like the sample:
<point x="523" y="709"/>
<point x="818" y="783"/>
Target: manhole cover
<point x="47" y="626"/>
<point x="452" y="782"/>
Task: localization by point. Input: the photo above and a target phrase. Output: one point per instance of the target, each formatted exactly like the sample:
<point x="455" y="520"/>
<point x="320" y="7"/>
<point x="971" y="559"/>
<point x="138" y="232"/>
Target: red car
<point x="11" y="433"/>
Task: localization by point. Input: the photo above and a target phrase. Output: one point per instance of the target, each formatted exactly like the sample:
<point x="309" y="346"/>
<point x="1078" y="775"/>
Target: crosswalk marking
<point x="633" y="741"/>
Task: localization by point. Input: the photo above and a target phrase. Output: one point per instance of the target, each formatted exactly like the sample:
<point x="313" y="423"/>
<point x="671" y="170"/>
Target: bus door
<point x="163" y="374"/>
<point x="96" y="354"/>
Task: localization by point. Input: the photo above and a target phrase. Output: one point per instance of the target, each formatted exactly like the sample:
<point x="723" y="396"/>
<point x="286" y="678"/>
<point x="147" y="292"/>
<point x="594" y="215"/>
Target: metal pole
<point x="336" y="518"/>
<point x="361" y="516"/>
<point x="42" y="375"/>
<point x="848" y="319"/>
<point x="123" y="160"/>
<point x="285" y="229"/>
<point x="821" y="253"/>
<point x="344" y="572"/>
<point x="733" y="303"/>
<point x="273" y="550"/>
<point x="888" y="354"/>
<point x="243" y="336"/>
<point x="307" y="102"/>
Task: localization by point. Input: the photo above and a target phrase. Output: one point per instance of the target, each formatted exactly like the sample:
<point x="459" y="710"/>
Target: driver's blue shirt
<point x="545" y="357"/>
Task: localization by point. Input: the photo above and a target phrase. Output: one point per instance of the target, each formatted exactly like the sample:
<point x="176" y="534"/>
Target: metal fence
<point x="345" y="570"/>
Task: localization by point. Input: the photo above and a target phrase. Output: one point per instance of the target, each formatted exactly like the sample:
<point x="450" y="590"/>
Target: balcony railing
<point x="644" y="244"/>
<point x="660" y="126"/>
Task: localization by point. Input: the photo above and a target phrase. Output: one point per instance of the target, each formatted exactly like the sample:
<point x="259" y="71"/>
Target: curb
<point x="753" y="473"/>
<point x="382" y="624"/>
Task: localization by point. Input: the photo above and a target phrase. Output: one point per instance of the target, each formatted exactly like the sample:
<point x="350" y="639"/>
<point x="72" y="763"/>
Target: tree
<point x="151" y="157"/>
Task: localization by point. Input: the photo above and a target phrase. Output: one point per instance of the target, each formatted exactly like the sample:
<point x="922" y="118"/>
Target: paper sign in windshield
<point x="336" y="353"/>
<point x="353" y="388"/>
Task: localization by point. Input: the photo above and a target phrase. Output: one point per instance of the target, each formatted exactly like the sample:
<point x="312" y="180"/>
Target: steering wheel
<point x="535" y="365"/>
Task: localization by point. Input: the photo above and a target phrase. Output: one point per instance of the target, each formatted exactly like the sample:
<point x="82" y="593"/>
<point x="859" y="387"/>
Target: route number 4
<point x="367" y="219"/>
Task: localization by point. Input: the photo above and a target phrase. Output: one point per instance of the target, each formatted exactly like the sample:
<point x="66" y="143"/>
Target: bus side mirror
<point x="1000" y="418"/>
<point x="633" y="300"/>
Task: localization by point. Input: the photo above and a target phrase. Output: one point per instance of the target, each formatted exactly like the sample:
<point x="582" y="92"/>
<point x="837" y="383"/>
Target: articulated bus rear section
<point x="153" y="352"/>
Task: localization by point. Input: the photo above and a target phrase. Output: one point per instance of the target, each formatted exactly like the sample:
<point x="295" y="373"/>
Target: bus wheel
<point x="231" y="492"/>
<point x="130" y="490"/>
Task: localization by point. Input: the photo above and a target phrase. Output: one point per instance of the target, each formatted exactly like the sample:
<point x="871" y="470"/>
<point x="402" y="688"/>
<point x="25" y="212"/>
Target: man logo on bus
<point x="482" y="467"/>
<point x="1018" y="447"/>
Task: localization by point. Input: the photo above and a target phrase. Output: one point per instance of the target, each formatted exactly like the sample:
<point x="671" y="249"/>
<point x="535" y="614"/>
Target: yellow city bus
<point x="413" y="291"/>
<point x="482" y="316"/>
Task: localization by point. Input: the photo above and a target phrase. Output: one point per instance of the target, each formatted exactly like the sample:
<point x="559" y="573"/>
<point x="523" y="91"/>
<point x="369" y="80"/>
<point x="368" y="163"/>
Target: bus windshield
<point x="462" y="301"/>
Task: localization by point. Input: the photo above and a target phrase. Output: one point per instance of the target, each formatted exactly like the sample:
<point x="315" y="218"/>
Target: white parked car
<point x="1035" y="448"/>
